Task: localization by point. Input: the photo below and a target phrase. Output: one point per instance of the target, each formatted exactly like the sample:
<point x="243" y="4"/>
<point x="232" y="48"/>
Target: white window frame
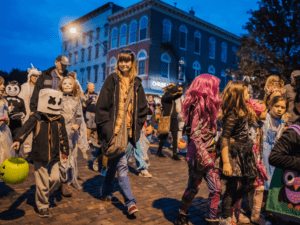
<point x="168" y="24"/>
<point x="141" y="59"/>
<point x="130" y="32"/>
<point x="197" y="67"/>
<point x="211" y="70"/>
<point x="212" y="43"/>
<point x="111" y="63"/>
<point x="111" y="44"/>
<point x="140" y="27"/>
<point x="224" y="52"/>
<point x="197" y="34"/>
<point x="123" y="35"/>
<point x="166" y="61"/>
<point x="184" y="30"/>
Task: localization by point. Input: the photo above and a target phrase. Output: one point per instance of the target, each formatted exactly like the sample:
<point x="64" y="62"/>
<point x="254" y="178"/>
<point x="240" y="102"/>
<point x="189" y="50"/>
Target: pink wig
<point x="203" y="95"/>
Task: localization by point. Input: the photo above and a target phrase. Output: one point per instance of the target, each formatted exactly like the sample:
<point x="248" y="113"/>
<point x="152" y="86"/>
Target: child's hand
<point x="227" y="169"/>
<point x="16" y="145"/>
<point x="75" y="127"/>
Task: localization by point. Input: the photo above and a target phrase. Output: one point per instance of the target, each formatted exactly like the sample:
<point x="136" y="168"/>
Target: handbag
<point x="119" y="141"/>
<point x="164" y="123"/>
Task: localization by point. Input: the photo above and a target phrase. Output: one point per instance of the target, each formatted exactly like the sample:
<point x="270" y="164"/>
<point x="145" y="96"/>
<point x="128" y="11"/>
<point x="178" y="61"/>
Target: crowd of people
<point x="228" y="136"/>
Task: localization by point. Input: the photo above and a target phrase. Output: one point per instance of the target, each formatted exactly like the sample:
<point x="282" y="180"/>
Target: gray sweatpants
<point x="47" y="180"/>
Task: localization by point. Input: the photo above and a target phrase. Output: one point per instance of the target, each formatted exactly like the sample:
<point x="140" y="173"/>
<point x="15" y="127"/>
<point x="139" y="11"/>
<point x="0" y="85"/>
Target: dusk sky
<point x="30" y="30"/>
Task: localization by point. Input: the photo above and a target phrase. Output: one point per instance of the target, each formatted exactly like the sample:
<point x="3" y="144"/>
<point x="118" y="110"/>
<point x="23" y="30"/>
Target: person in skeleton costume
<point x="72" y="112"/>
<point x="5" y="134"/>
<point x="25" y="94"/>
<point x="50" y="143"/>
<point x="16" y="107"/>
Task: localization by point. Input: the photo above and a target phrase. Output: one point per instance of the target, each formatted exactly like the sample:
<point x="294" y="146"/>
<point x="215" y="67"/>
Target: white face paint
<point x="67" y="86"/>
<point x="12" y="90"/>
<point x="49" y="101"/>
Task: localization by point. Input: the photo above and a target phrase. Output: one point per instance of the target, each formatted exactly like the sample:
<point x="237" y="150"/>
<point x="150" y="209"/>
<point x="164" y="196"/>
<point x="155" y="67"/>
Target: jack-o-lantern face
<point x="67" y="86"/>
<point x="14" y="170"/>
<point x="49" y="101"/>
<point x="12" y="89"/>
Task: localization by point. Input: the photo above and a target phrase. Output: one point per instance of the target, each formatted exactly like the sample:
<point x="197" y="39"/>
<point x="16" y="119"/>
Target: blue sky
<point x="30" y="30"/>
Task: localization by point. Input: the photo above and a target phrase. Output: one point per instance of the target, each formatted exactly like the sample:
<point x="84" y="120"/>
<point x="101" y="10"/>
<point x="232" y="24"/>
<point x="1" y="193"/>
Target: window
<point x="114" y="38"/>
<point x="96" y="73"/>
<point x="88" y="74"/>
<point x="90" y="36"/>
<point x="141" y="61"/>
<point x="167" y="27"/>
<point x="70" y="58"/>
<point x="106" y="26"/>
<point x="183" y="37"/>
<point x="76" y="42"/>
<point x="123" y="35"/>
<point x="90" y="53"/>
<point x="181" y="69"/>
<point x="197" y="38"/>
<point x="197" y="68"/>
<point x="223" y="75"/>
<point x="83" y="38"/>
<point x="98" y="33"/>
<point x="103" y="71"/>
<point x="224" y="52"/>
<point x="82" y="75"/>
<point x="143" y="27"/>
<point x="165" y="65"/>
<point x="132" y="32"/>
<point x="82" y="55"/>
<point x="112" y="65"/>
<point x="234" y="56"/>
<point x="212" y="47"/>
<point x="211" y="70"/>
<point x="66" y="45"/>
<point x="105" y="44"/>
<point x="97" y="51"/>
<point x="75" y="57"/>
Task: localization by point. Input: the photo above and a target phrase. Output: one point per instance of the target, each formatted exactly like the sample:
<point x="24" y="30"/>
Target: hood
<point x="32" y="71"/>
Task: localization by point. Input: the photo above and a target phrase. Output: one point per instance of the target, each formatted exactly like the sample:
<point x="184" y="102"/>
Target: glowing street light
<point x="73" y="30"/>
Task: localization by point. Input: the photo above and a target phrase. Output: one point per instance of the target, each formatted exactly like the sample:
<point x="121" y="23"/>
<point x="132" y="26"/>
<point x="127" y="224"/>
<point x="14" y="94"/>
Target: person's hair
<point x="127" y="55"/>
<point x="278" y="99"/>
<point x="75" y="91"/>
<point x="203" y="95"/>
<point x="73" y="75"/>
<point x="2" y="81"/>
<point x="297" y="89"/>
<point x="233" y="99"/>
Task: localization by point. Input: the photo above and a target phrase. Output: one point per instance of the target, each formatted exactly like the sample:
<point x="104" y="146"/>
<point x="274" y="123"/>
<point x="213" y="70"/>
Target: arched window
<point x="197" y="38"/>
<point x="70" y="58"/>
<point x="90" y="53"/>
<point x="103" y="71"/>
<point x="88" y="69"/>
<point x="211" y="70"/>
<point x="141" y="58"/>
<point x="223" y="78"/>
<point x="106" y="28"/>
<point x="132" y="32"/>
<point x="114" y="38"/>
<point x="97" y="33"/>
<point x="143" y="27"/>
<point x="183" y="37"/>
<point x="96" y="73"/>
<point x="112" y="64"/>
<point x="197" y="68"/>
<point x="123" y="35"/>
<point x="82" y="55"/>
<point x="165" y="65"/>
<point x="181" y="69"/>
<point x="224" y="52"/>
<point x="212" y="47"/>
<point x="234" y="56"/>
<point x="167" y="27"/>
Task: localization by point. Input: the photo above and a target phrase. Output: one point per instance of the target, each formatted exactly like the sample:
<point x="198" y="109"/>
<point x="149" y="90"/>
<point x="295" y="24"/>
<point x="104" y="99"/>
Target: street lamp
<point x="73" y="30"/>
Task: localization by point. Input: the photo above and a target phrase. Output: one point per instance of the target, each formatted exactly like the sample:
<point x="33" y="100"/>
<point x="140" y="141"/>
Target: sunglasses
<point x="126" y="51"/>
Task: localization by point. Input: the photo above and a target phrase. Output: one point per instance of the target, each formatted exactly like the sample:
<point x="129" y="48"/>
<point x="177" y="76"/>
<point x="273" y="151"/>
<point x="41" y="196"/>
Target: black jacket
<point x="49" y="138"/>
<point x="44" y="81"/>
<point x="166" y="101"/>
<point x="107" y="109"/>
<point x="286" y="151"/>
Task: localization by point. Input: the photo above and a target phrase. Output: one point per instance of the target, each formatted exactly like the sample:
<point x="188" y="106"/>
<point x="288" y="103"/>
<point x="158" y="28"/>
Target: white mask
<point x="67" y="86"/>
<point x="49" y="101"/>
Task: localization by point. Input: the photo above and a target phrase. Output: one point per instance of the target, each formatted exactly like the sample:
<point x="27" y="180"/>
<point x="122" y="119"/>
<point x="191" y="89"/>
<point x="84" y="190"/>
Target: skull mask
<point x="49" y="101"/>
<point x="67" y="85"/>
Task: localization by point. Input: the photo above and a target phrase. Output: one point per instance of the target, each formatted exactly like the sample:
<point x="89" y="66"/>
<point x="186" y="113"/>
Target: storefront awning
<point x="153" y="92"/>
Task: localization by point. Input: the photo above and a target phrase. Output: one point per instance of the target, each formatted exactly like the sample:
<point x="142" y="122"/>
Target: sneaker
<point x="96" y="166"/>
<point x="111" y="199"/>
<point x="44" y="213"/>
<point x="145" y="173"/>
<point x="227" y="221"/>
<point x="132" y="209"/>
<point x="103" y="173"/>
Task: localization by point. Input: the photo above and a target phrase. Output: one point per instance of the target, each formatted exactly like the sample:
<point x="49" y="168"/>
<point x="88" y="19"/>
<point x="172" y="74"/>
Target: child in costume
<point x="5" y="134"/>
<point x="235" y="156"/>
<point x="71" y="110"/>
<point x="49" y="141"/>
<point x="201" y="106"/>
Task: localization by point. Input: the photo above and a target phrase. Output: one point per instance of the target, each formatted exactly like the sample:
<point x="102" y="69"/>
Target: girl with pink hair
<point x="200" y="109"/>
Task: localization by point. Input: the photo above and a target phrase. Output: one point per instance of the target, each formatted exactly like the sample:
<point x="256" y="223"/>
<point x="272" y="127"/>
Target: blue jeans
<point x="118" y="164"/>
<point x="137" y="153"/>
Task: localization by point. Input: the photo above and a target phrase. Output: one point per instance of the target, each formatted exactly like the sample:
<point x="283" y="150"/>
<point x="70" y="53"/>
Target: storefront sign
<point x="158" y="84"/>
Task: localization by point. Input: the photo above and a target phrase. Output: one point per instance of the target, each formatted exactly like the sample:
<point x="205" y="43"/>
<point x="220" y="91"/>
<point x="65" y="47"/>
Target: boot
<point x="182" y="219"/>
<point x="257" y="202"/>
<point x="65" y="190"/>
<point x="212" y="222"/>
<point x="159" y="154"/>
<point x="175" y="157"/>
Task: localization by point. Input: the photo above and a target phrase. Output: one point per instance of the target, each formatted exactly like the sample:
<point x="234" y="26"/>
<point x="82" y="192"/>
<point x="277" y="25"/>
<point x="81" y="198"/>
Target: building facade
<point x="87" y="47"/>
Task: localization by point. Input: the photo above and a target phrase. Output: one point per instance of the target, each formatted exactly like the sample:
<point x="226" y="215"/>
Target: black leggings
<point x="174" y="132"/>
<point x="234" y="193"/>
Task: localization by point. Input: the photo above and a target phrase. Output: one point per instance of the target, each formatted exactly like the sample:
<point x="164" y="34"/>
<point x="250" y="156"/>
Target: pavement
<point x="158" y="198"/>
